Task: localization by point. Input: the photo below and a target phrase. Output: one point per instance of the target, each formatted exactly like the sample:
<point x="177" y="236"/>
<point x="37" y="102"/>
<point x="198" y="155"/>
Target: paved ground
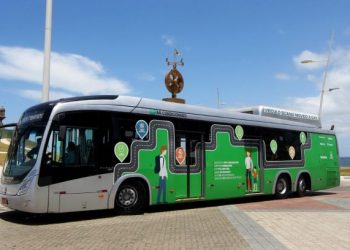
<point x="320" y="220"/>
<point x="200" y="228"/>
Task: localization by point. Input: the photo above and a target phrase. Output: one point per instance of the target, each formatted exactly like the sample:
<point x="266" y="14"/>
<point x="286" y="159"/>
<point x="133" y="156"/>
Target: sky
<point x="247" y="51"/>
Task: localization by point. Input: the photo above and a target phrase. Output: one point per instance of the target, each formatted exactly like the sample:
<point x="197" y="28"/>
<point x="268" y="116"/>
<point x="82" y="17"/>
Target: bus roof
<point x="185" y="111"/>
<point x="283" y="114"/>
<point x="223" y="116"/>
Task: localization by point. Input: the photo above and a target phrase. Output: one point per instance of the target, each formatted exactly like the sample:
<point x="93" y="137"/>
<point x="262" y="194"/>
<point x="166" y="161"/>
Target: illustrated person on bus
<point x="163" y="174"/>
<point x="255" y="180"/>
<point x="248" y="167"/>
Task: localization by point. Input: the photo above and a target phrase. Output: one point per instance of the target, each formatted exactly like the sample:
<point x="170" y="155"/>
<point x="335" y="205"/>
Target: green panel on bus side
<point x="176" y="183"/>
<point x="146" y="167"/>
<point x="321" y="161"/>
<point x="225" y="168"/>
<point x="196" y="185"/>
<point x="180" y="185"/>
<point x="324" y="166"/>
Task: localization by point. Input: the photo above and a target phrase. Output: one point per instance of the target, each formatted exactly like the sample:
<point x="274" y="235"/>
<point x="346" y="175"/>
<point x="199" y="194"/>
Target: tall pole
<point x="47" y="51"/>
<point x="325" y="78"/>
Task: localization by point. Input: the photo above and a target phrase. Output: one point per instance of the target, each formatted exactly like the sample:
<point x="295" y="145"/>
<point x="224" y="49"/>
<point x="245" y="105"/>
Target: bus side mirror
<point x="62" y="134"/>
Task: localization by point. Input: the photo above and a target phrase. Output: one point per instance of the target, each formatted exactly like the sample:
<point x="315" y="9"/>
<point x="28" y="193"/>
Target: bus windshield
<point x="23" y="151"/>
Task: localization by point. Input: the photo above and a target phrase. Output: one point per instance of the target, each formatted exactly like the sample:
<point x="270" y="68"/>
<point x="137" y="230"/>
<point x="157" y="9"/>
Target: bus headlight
<point x="25" y="186"/>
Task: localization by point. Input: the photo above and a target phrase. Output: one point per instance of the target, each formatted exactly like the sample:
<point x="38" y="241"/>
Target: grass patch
<point x="345" y="171"/>
<point x="6" y="133"/>
<point x="3" y="148"/>
<point x="2" y="159"/>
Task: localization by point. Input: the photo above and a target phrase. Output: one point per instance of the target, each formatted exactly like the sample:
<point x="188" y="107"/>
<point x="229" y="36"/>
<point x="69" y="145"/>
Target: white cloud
<point x="168" y="40"/>
<point x="319" y="60"/>
<point x="283" y="76"/>
<point x="70" y="73"/>
<point x="314" y="78"/>
<point x="336" y="103"/>
<point x="36" y="94"/>
<point x="146" y="77"/>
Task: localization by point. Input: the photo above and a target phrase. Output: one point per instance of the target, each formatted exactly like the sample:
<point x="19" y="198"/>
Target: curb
<point x="345" y="181"/>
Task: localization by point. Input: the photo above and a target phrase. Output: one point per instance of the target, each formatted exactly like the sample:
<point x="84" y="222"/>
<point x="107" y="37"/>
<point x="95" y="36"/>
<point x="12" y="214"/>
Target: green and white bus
<point x="124" y="153"/>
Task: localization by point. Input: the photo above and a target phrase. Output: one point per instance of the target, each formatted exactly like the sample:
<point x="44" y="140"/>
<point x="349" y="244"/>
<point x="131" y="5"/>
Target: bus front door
<point x="72" y="173"/>
<point x="189" y="157"/>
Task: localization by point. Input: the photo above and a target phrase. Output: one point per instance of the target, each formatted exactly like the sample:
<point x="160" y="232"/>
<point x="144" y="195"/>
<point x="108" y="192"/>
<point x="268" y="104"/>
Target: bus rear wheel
<point x="301" y="187"/>
<point x="282" y="188"/>
<point x="130" y="198"/>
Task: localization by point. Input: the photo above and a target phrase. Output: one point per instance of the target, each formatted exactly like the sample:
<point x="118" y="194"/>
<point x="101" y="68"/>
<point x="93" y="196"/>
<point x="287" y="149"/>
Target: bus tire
<point x="301" y="186"/>
<point x="282" y="187"/>
<point x="130" y="198"/>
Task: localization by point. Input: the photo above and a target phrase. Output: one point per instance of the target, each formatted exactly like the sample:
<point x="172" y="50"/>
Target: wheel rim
<point x="302" y="185"/>
<point x="127" y="197"/>
<point x="282" y="186"/>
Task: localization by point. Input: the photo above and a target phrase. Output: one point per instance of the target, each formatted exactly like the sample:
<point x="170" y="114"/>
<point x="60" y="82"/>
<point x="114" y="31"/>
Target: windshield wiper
<point x="8" y="125"/>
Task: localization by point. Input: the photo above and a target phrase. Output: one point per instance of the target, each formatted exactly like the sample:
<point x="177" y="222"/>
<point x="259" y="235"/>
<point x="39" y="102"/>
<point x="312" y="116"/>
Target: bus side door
<point x="189" y="157"/>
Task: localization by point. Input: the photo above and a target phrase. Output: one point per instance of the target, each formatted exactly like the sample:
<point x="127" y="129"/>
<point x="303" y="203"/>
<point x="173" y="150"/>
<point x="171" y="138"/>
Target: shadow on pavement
<point x="44" y="219"/>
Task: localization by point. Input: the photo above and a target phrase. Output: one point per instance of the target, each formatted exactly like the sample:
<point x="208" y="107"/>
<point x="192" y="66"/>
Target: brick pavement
<point x="320" y="220"/>
<point x="255" y="235"/>
<point x="201" y="228"/>
<point x="307" y="230"/>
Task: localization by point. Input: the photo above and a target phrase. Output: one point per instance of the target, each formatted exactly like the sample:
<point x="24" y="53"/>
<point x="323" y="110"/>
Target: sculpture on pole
<point x="2" y="114"/>
<point x="174" y="81"/>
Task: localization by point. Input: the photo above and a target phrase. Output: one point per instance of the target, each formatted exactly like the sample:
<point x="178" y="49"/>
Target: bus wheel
<point x="281" y="190"/>
<point x="301" y="188"/>
<point x="130" y="198"/>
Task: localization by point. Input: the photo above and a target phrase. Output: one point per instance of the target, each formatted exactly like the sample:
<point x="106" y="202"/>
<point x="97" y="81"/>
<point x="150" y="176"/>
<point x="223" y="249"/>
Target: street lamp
<point x="310" y="61"/>
<point x="323" y="85"/>
<point x="324" y="78"/>
<point x="331" y="89"/>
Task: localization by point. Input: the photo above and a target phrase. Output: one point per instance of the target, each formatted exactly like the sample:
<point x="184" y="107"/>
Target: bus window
<point x="79" y="148"/>
<point x="123" y="131"/>
<point x="282" y="145"/>
<point x="72" y="158"/>
<point x="188" y="143"/>
<point x="54" y="150"/>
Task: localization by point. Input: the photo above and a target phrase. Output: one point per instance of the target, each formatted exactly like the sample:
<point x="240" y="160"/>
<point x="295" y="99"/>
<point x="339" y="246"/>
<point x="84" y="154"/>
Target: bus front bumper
<point x="16" y="202"/>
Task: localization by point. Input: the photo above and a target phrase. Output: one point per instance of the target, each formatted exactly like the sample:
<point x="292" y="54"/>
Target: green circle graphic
<point x="121" y="151"/>
<point x="273" y="146"/>
<point x="302" y="138"/>
<point x="239" y="131"/>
